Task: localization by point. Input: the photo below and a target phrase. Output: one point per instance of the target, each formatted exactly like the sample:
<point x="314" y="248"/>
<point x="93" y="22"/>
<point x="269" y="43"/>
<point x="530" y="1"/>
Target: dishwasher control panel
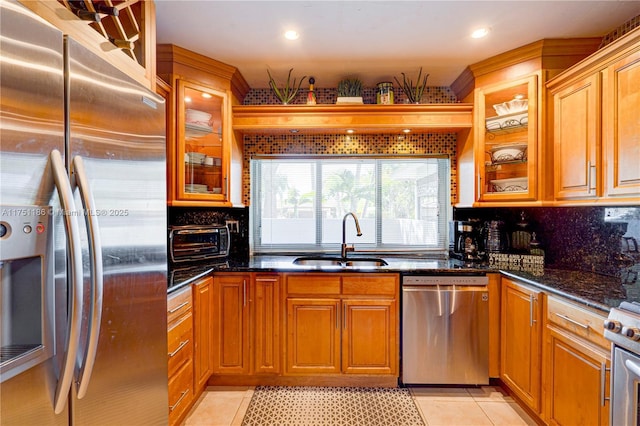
<point x="445" y="280"/>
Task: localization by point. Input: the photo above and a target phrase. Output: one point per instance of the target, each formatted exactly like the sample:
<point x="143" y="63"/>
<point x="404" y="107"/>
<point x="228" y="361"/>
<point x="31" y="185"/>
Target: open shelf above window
<point x="303" y="119"/>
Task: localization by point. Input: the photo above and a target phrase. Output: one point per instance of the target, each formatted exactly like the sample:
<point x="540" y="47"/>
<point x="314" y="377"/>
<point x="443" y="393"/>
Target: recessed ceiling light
<point x="406" y="130"/>
<point x="480" y="32"/>
<point x="291" y="35"/>
<point x="206" y="95"/>
<point x="350" y="131"/>
<point x="187" y="99"/>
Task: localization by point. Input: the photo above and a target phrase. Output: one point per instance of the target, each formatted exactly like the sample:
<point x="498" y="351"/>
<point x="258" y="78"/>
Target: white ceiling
<point x="373" y="40"/>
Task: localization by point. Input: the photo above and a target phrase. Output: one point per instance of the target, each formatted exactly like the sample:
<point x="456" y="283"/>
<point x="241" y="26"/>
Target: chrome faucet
<point x="346" y="248"/>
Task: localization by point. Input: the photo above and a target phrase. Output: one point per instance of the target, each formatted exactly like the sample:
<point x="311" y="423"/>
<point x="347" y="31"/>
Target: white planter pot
<point x="349" y="100"/>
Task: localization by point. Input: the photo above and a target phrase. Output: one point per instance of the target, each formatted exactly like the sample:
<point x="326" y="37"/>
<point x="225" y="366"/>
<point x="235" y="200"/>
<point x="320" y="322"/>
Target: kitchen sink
<point x="357" y="262"/>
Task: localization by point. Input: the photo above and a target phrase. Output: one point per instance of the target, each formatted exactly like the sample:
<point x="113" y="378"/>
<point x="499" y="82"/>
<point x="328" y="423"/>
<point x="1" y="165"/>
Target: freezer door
<point x="117" y="128"/>
<point x="31" y="126"/>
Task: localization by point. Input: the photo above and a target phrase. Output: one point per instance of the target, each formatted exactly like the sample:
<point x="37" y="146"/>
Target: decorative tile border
<point x="432" y="95"/>
<point x="620" y="31"/>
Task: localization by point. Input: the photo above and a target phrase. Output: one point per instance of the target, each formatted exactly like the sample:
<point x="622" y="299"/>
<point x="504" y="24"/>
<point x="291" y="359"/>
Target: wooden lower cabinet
<point x="231" y="325"/>
<point x="576" y="365"/>
<point x="203" y="326"/>
<point x="368" y="337"/>
<point x="246" y="331"/>
<point x="342" y="324"/>
<point x="520" y="346"/>
<point x="265" y="313"/>
<point x="180" y="354"/>
<point x="576" y="381"/>
<point x="313" y="336"/>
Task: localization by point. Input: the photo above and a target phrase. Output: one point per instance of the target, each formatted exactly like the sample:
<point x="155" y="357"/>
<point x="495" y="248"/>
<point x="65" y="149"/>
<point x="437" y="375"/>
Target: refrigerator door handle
<point x="79" y="180"/>
<point x="74" y="316"/>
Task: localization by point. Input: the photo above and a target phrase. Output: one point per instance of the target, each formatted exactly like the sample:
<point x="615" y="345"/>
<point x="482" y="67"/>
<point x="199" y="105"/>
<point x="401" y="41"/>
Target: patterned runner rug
<point x="306" y="405"/>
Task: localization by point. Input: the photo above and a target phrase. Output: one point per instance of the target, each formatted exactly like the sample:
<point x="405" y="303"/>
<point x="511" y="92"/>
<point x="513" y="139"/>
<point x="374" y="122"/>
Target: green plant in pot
<point x="349" y="91"/>
<point x="413" y="91"/>
<point x="287" y="93"/>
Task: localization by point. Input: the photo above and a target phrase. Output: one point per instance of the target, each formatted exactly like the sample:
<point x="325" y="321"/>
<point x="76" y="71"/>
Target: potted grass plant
<point x="288" y="92"/>
<point x="349" y="91"/>
<point x="413" y="91"/>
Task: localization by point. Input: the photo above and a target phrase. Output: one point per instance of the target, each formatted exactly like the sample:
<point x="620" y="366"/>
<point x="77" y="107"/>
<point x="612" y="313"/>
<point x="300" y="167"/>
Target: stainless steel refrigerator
<point x="83" y="260"/>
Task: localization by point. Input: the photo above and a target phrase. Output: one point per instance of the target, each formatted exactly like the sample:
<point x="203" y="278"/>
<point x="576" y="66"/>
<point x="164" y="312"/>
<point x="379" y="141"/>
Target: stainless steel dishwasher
<point x="445" y="336"/>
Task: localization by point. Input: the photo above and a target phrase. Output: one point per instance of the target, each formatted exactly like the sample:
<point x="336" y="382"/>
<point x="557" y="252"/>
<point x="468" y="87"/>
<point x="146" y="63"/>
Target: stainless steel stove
<point x="622" y="328"/>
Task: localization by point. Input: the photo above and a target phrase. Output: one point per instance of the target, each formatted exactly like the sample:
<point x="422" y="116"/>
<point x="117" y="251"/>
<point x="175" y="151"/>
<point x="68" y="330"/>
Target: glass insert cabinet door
<point x="506" y="144"/>
<point x="202" y="150"/>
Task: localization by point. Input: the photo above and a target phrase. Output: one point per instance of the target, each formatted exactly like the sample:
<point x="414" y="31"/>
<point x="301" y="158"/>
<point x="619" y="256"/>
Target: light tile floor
<point x="487" y="405"/>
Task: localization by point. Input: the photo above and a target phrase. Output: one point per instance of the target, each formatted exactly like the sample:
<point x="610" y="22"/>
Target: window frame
<point x="444" y="205"/>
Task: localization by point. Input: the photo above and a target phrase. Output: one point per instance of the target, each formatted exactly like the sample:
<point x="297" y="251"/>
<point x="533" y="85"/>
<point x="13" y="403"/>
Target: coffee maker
<point x="465" y="241"/>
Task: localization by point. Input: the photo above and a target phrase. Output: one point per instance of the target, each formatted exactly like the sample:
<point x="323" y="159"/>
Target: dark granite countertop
<point x="597" y="291"/>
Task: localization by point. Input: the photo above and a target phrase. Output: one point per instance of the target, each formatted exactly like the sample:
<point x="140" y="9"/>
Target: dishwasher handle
<point x="418" y="288"/>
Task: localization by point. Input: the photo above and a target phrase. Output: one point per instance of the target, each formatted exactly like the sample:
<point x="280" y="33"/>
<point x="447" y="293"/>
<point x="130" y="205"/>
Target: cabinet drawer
<point x="370" y="285"/>
<point x="580" y="321"/>
<point x="178" y="303"/>
<point x="313" y="284"/>
<point x="180" y="392"/>
<point x="180" y="342"/>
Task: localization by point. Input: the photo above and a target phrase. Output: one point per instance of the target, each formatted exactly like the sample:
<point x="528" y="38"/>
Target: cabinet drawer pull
<point x="182" y="395"/>
<point x="344" y="316"/>
<point x="574" y="322"/>
<point x="182" y="345"/>
<point x="603" y="379"/>
<point x="266" y="280"/>
<point x="180" y="306"/>
<point x="244" y="292"/>
<point x="531" y="319"/>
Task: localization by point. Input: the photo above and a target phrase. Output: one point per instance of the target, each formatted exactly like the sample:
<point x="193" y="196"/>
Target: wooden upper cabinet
<point x="621" y="127"/>
<point x="201" y="147"/>
<point x="597" y="126"/>
<point x="507" y="141"/>
<point x="507" y="159"/>
<point x="577" y="154"/>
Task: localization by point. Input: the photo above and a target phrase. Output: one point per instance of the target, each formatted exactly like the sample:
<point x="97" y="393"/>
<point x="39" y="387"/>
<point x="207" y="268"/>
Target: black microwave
<point x="190" y="243"/>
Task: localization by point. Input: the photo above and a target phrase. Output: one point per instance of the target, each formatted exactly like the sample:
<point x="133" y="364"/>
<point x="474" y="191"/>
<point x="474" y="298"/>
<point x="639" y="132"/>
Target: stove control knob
<point x="632" y="333"/>
<point x="612" y="325"/>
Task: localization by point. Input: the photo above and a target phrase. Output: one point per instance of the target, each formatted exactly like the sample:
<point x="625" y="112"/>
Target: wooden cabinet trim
<point x="276" y="119"/>
<point x="370" y="285"/>
<point x="320" y="284"/>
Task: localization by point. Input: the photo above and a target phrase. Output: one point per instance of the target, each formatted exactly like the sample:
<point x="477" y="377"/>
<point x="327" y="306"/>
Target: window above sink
<point x="299" y="203"/>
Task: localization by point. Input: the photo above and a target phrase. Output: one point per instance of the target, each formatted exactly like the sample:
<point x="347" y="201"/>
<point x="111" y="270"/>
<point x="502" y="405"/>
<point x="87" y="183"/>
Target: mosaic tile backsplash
<point x="384" y="144"/>
<point x="578" y="238"/>
<point x="432" y="95"/>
